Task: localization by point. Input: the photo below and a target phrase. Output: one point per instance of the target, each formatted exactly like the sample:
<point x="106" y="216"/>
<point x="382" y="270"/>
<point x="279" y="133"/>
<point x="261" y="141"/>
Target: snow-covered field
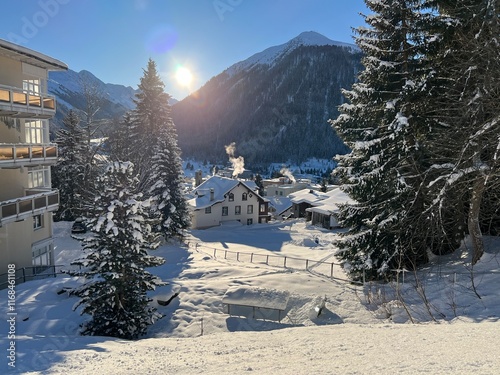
<point x="361" y="329"/>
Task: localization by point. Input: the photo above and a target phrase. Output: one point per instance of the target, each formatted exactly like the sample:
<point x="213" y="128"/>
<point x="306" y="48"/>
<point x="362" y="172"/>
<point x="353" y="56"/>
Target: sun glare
<point x="183" y="76"/>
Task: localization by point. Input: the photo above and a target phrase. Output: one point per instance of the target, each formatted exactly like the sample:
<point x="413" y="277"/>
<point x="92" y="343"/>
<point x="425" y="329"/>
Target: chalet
<point x="324" y="212"/>
<point x="304" y="199"/>
<point x="27" y="199"/>
<point x="221" y="199"/>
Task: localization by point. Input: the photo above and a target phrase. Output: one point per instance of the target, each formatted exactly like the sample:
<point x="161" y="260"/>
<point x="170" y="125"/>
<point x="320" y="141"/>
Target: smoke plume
<point x="238" y="163"/>
<point x="286" y="172"/>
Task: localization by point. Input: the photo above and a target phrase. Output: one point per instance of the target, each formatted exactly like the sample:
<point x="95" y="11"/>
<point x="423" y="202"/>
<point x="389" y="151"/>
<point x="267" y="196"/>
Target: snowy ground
<point x="361" y="329"/>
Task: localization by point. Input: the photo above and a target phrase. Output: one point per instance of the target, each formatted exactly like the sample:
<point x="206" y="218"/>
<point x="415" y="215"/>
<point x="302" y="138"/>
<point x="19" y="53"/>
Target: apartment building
<point x="26" y="155"/>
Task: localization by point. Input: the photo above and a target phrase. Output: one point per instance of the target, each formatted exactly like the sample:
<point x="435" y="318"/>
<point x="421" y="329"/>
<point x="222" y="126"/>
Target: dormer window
<point x="231" y="197"/>
<point x="244" y="196"/>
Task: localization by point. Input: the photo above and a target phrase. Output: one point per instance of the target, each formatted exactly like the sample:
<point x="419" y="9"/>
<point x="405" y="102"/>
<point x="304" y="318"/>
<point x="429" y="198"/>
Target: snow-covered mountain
<point x="272" y="55"/>
<point x="275" y="105"/>
<point x="68" y="87"/>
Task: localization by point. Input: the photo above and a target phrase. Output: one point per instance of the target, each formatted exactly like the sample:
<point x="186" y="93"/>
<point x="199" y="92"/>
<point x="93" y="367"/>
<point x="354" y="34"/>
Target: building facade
<point x="26" y="155"/>
<point x="220" y="199"/>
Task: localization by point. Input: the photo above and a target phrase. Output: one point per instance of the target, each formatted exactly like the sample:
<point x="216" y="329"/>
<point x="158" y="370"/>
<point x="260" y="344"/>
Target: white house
<point x="221" y="199"/>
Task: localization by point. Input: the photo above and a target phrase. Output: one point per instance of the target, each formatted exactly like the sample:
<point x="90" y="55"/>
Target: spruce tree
<point x="68" y="173"/>
<point x="165" y="181"/>
<point x="157" y="154"/>
<point x="116" y="258"/>
<point x="382" y="126"/>
<point x="466" y="172"/>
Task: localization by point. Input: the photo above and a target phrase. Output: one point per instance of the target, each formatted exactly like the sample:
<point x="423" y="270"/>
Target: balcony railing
<point x="15" y="102"/>
<point x="13" y="155"/>
<point x="37" y="201"/>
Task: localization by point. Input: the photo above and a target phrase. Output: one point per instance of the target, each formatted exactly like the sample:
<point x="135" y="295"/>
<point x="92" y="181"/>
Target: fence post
<point x="24" y="275"/>
<point x="307" y="264"/>
<point x="284" y="263"/>
<point x="251" y="258"/>
<point x="225" y="254"/>
<point x="267" y="259"/>
<point x="215" y="252"/>
<point x="331" y="271"/>
<point x="238" y="256"/>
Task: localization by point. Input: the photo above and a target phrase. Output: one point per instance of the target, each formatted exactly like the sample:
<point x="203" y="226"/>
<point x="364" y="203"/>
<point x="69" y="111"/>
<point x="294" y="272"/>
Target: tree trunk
<point x="473" y="220"/>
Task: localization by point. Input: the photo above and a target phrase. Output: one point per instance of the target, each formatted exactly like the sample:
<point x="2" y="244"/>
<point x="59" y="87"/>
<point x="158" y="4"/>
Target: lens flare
<point x="161" y="39"/>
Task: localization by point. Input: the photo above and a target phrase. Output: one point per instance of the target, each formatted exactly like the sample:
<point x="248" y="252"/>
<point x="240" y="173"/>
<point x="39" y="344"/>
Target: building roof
<point x="331" y="203"/>
<point x="281" y="204"/>
<point x="307" y="196"/>
<point x="30" y="56"/>
<point x="220" y="186"/>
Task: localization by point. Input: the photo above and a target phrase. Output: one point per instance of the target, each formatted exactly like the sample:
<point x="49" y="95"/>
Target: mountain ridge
<point x="281" y="97"/>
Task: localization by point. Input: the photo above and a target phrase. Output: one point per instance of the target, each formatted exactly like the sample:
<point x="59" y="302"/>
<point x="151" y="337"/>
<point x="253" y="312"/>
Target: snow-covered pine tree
<point x="152" y="112"/>
<point x="116" y="258"/>
<point x="381" y="125"/>
<point x="157" y="153"/>
<point x="467" y="170"/>
<point x="165" y="181"/>
<point x="68" y="173"/>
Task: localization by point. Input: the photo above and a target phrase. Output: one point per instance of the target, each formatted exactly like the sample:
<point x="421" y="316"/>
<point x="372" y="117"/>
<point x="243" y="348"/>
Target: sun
<point x="183" y="76"/>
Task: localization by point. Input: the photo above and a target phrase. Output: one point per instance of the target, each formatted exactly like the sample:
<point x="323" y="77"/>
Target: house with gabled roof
<point x="220" y="199"/>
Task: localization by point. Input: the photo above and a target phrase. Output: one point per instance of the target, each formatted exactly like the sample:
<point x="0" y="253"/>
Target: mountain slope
<point x="274" y="105"/>
<point x="68" y="87"/>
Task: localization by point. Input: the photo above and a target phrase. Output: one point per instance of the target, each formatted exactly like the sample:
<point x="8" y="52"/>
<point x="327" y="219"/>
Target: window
<point x="237" y="210"/>
<point x="244" y="196"/>
<point x="224" y="211"/>
<point x="262" y="208"/>
<point x="38" y="177"/>
<point x="250" y="209"/>
<point x="37" y="222"/>
<point x="35" y="131"/>
<point x="249" y="221"/>
<point x="231" y="197"/>
<point x="31" y="86"/>
<point x="208" y="210"/>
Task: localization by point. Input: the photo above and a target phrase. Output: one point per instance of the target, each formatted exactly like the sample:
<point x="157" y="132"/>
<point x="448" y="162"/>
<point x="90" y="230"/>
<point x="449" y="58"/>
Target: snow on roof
<point x="281" y="204"/>
<point x="307" y="196"/>
<point x="331" y="204"/>
<point x="258" y="297"/>
<point x="219" y="186"/>
<point x="30" y="56"/>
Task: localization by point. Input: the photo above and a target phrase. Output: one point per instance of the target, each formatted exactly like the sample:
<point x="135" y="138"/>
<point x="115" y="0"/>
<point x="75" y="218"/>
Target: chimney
<point x="211" y="194"/>
<point x="197" y="178"/>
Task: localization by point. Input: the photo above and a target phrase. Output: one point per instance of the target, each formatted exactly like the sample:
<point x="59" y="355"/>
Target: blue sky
<point x="113" y="39"/>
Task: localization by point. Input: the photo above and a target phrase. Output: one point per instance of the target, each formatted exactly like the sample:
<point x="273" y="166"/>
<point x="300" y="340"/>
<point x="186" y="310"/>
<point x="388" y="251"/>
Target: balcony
<point x="15" y="155"/>
<point x="14" y="102"/>
<point x="37" y="201"/>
